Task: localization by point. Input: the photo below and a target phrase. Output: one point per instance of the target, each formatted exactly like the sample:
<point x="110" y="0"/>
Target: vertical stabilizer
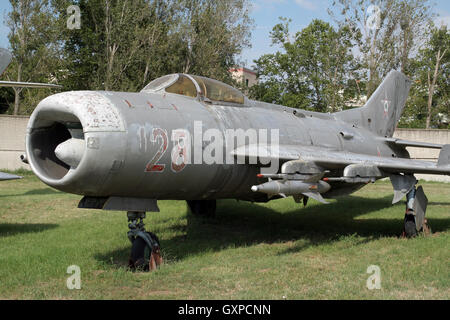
<point x="382" y="112"/>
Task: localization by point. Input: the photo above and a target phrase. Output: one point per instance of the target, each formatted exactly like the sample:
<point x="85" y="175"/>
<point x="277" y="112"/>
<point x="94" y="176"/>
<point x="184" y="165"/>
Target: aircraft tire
<point x="410" y="226"/>
<point x="203" y="208"/>
<point x="137" y="258"/>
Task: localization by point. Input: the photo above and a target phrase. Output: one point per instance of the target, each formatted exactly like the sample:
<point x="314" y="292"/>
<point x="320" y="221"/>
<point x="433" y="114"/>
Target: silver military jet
<point x="192" y="138"/>
<point x="5" y="60"/>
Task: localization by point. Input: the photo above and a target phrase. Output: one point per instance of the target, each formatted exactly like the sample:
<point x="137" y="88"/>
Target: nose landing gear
<point x="145" y="250"/>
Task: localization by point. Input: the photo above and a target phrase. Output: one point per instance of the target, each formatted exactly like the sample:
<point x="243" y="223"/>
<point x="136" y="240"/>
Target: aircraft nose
<point x="71" y="152"/>
<point x="69" y="141"/>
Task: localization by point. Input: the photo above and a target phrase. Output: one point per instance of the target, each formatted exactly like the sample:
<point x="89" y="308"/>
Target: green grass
<point x="249" y="251"/>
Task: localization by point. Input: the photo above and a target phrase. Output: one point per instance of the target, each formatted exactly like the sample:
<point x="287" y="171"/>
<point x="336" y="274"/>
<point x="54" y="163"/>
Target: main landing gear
<point x="204" y="208"/>
<point x="416" y="206"/>
<point x="145" y="250"/>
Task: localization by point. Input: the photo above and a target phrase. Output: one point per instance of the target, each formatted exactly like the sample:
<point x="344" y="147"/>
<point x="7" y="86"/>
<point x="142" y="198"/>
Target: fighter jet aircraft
<point x="124" y="151"/>
<point x="5" y="60"/>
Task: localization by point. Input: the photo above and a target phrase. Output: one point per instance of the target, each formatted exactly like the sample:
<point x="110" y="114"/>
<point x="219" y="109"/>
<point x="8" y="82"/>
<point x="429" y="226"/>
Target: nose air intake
<point x="58" y="132"/>
<point x="52" y="151"/>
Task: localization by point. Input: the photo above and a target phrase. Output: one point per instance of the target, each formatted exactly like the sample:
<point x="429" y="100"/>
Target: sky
<point x="265" y="14"/>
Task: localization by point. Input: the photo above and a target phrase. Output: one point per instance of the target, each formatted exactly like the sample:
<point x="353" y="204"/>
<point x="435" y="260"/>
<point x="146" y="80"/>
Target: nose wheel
<point x="145" y="249"/>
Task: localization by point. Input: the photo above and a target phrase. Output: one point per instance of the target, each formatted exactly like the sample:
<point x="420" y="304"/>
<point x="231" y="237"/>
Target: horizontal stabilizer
<point x="416" y="144"/>
<point x="444" y="156"/>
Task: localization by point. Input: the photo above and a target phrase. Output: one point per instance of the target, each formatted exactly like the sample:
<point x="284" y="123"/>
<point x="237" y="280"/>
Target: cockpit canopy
<point x="193" y="86"/>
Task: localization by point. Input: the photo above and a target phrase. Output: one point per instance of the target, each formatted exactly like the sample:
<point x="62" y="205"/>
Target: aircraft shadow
<point x="241" y="224"/>
<point x="35" y="192"/>
<point x="11" y="229"/>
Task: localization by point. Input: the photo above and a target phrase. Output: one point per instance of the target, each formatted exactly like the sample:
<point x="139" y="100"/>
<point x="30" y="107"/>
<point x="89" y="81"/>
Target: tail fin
<point x="382" y="112"/>
<point x="5" y="59"/>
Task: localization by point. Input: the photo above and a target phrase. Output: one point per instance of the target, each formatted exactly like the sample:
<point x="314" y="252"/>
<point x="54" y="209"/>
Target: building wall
<point x="13" y="131"/>
<point x="12" y="141"/>
<point x="243" y="74"/>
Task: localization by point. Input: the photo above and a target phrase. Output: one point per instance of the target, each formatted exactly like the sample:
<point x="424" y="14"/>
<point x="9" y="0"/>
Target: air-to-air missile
<point x="287" y="188"/>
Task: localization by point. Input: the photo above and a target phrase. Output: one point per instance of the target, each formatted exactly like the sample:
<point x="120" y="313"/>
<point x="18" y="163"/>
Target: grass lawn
<point x="278" y="250"/>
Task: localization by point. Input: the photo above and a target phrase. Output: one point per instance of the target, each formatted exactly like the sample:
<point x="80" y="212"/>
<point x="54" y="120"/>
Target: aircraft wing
<point x="12" y="84"/>
<point x="7" y="176"/>
<point x="334" y="159"/>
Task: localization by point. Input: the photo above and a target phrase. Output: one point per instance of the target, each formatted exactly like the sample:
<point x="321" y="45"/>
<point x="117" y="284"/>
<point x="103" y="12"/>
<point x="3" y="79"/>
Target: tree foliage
<point x="326" y="68"/>
<point x="124" y="44"/>
<point x="32" y="42"/>
<point x="429" y="103"/>
<point x="312" y="71"/>
<point x="387" y="33"/>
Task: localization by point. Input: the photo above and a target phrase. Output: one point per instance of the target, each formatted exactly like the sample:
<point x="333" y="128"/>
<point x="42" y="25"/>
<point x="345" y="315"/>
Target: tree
<point x="31" y="39"/>
<point x="119" y="46"/>
<point x="430" y="92"/>
<point x="414" y="18"/>
<point x="123" y="44"/>
<point x="313" y="70"/>
<point x="212" y="34"/>
<point x="386" y="33"/>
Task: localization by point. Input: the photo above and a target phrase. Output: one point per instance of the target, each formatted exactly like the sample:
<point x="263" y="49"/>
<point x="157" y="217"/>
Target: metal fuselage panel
<point x="130" y="145"/>
<point x="145" y="114"/>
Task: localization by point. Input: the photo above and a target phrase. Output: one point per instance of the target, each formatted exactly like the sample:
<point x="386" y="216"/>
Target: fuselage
<point x="132" y="141"/>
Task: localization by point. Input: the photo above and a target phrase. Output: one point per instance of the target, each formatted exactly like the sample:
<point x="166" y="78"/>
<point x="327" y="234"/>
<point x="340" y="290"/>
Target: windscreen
<point x="183" y="86"/>
<point x="218" y="91"/>
<point x="160" y="82"/>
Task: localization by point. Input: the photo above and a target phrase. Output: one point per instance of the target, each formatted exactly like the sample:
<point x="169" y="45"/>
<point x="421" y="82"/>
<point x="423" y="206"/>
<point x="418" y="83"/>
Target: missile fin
<point x="316" y="196"/>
